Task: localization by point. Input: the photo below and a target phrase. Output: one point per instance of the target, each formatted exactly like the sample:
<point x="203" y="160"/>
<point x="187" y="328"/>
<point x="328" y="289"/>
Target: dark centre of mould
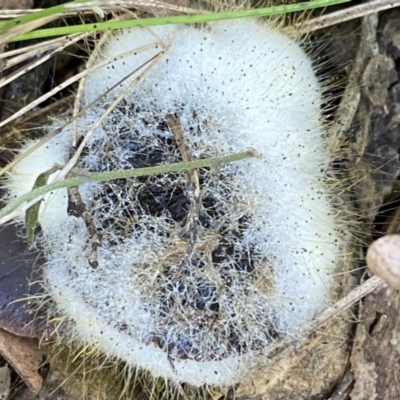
<point x="165" y="195"/>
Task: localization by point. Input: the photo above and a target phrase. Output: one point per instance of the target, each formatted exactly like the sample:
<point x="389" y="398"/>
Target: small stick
<point x="326" y="315"/>
<point x="193" y="183"/>
<point x="347" y="301"/>
<point x="192" y="191"/>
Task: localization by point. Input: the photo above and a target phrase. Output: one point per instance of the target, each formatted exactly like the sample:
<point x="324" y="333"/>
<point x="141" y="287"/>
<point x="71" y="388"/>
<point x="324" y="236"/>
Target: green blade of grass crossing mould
<point x="180" y="19"/>
<point x="41" y="189"/>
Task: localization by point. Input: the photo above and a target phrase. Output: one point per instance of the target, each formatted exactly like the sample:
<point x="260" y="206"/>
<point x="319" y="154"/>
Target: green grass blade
<point x="123" y="174"/>
<point x="48" y="12"/>
<point x="181" y="19"/>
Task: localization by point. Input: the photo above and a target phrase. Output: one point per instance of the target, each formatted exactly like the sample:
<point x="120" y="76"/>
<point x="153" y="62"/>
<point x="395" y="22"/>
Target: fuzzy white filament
<point x="201" y="306"/>
<point x="53" y="207"/>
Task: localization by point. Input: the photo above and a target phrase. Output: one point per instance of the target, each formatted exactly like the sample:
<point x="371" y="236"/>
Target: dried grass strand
<point x="38" y="61"/>
<point x="346" y="14"/>
<point x="60" y="87"/>
<point x="24" y="28"/>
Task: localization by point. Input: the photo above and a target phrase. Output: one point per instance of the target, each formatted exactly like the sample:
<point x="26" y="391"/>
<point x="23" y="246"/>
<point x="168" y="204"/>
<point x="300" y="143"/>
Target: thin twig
<point x="347" y="301"/>
<point x="326" y="315"/>
<point x="193" y="181"/>
<point x="78" y="209"/>
<point x="33" y="48"/>
<point x="192" y="191"/>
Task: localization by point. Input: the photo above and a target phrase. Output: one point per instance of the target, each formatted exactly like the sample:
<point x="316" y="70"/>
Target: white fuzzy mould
<point x="53" y="208"/>
<point x="267" y="242"/>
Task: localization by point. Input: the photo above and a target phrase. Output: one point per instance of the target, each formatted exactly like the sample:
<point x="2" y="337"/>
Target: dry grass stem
<point x="347" y="14"/>
<point x="89" y="64"/>
<point x="138" y="4"/>
<point x="60" y="87"/>
<point x="107" y="6"/>
<point x="348" y="301"/>
<point x="189" y="230"/>
<point x="331" y="312"/>
<point x="8" y="14"/>
<point x="43" y="113"/>
<point x="30" y="51"/>
<point x="37" y="61"/>
<point x="24" y="28"/>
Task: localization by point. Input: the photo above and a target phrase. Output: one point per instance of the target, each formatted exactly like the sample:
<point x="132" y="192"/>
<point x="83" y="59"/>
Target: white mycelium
<point x="202" y="307"/>
<point x="53" y="207"/>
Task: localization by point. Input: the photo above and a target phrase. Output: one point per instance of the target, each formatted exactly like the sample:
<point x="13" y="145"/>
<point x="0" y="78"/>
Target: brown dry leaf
<point x="15" y="276"/>
<point x="24" y="356"/>
<point x="376" y="129"/>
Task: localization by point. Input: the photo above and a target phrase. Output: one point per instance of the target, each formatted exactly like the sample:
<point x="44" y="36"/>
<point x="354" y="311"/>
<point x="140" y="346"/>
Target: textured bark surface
<point x="376" y="352"/>
<point x="376" y="132"/>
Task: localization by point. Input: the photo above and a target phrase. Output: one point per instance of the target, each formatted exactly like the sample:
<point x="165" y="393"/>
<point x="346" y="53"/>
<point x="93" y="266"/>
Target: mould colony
<point x="194" y="275"/>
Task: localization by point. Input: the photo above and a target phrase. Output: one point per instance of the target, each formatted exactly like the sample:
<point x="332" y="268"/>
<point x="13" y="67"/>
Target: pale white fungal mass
<point x="194" y="275"/>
